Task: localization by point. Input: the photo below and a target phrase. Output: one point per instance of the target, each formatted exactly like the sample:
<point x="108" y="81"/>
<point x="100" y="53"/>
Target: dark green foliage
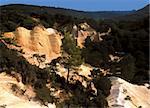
<point x="14" y="15"/>
<point x="92" y="57"/>
<point x="44" y="95"/>
<point x="96" y="53"/>
<point x="31" y="9"/>
<point x="103" y="86"/>
<point x="28" y="23"/>
<point x="32" y="75"/>
<point x="85" y="97"/>
<point x="74" y="54"/>
<point x="69" y="46"/>
<point x="140" y="59"/>
<point x="129" y="39"/>
<point x="11" y="61"/>
<point x="126" y="37"/>
<point x="128" y="68"/>
<point x="8" y="40"/>
<point x="101" y="100"/>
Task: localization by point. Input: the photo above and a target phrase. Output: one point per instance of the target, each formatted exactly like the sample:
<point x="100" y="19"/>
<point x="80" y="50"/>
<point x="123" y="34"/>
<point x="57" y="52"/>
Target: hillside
<point x="16" y="101"/>
<point x="137" y="15"/>
<point x="69" y="12"/>
<point x="28" y="16"/>
<point x="62" y="58"/>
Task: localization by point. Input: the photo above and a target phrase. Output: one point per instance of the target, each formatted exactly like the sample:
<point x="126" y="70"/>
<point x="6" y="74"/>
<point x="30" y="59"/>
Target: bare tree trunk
<point x="68" y="75"/>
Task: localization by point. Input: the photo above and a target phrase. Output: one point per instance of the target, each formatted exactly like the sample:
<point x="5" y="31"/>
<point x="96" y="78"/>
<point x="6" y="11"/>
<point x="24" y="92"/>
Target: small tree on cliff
<point x="40" y="58"/>
<point x="74" y="53"/>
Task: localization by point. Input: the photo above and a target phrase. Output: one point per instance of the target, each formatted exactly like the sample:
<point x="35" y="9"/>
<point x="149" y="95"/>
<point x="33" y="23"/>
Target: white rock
<point x="140" y="95"/>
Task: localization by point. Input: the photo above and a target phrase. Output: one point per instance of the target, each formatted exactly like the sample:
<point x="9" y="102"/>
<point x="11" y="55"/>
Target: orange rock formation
<point x="39" y="41"/>
<point x="85" y="31"/>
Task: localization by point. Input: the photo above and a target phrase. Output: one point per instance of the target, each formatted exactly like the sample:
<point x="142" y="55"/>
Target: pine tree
<point x="74" y="53"/>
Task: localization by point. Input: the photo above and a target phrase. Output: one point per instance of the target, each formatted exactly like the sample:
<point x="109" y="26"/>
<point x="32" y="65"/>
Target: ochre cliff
<point x="39" y="41"/>
<point x="84" y="30"/>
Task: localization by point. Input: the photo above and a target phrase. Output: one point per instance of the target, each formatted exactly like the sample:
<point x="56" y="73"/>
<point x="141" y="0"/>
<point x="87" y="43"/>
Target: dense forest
<point x="129" y="39"/>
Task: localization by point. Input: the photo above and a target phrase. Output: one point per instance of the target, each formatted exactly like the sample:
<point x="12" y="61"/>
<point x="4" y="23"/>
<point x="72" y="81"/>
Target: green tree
<point x="74" y="53"/>
<point x="128" y="69"/>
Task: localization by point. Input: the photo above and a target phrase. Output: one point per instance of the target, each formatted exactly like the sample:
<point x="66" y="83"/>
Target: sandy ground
<point x="9" y="100"/>
<point x="121" y="89"/>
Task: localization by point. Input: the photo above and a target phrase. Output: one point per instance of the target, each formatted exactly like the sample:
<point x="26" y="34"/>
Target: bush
<point x="44" y="95"/>
<point x="103" y="84"/>
<point x="128" y="69"/>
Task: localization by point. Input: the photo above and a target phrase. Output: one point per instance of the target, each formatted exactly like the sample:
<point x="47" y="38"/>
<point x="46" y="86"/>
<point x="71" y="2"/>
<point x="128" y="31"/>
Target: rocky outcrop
<point x="84" y="30"/>
<point x="127" y="95"/>
<point x="39" y="41"/>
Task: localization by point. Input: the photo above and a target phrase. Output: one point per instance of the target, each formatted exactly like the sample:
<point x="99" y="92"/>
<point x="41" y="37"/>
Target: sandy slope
<point x="8" y="98"/>
<point x="139" y="95"/>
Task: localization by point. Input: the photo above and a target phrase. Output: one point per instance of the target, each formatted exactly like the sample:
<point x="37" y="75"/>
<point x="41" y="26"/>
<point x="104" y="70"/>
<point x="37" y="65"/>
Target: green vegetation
<point x="32" y="75"/>
<point x="129" y="40"/>
<point x="128" y="68"/>
<point x="74" y="53"/>
<point x="8" y="40"/>
<point x="44" y="95"/>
